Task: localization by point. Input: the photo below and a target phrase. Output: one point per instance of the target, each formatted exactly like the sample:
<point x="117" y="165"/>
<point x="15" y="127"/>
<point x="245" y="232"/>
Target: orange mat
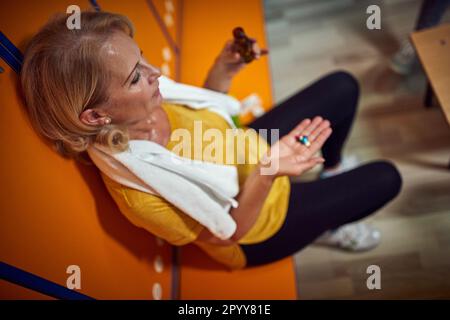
<point x="56" y="213"/>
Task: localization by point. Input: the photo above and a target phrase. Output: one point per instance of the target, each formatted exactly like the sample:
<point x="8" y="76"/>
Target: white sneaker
<point x="352" y="237"/>
<point x="405" y="58"/>
<point x="346" y="164"/>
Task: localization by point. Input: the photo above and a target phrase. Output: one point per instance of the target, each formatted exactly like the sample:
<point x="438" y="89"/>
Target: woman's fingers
<point x="311" y="163"/>
<point x="317" y="130"/>
<point x="256" y="50"/>
<point x="314" y="124"/>
<point x="320" y="140"/>
<point x="304" y="166"/>
<point x="291" y="138"/>
<point x="228" y="55"/>
<point x="321" y="127"/>
<point x="316" y="144"/>
<point x="264" y="52"/>
<point x="300" y="128"/>
<point x="306" y="126"/>
<point x="259" y="51"/>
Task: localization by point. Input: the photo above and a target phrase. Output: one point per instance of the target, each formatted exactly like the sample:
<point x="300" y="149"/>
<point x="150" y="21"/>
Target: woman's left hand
<point x="227" y="64"/>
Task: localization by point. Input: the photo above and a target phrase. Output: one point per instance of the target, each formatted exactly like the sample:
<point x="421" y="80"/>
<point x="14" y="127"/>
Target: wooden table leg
<point x="428" y="101"/>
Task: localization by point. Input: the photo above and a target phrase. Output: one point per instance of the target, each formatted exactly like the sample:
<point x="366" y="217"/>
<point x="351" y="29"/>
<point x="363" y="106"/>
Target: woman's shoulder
<point x="173" y="107"/>
<point x="154" y="214"/>
<point x="132" y="197"/>
<point x="143" y="203"/>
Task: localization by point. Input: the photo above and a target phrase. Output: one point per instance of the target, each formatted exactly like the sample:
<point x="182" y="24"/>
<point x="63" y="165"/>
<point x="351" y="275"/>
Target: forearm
<point x="251" y="200"/>
<point x="218" y="79"/>
<point x="227" y="65"/>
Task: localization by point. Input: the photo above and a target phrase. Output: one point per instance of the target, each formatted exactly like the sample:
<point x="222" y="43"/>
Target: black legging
<point x="321" y="205"/>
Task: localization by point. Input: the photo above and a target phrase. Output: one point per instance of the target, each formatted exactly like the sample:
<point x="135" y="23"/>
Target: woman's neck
<point x="155" y="127"/>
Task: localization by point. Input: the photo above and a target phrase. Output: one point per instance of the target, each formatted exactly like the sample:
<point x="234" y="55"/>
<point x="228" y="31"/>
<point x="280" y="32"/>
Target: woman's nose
<point x="153" y="73"/>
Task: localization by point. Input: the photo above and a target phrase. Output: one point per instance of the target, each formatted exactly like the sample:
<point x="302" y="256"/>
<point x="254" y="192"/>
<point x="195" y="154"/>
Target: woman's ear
<point x="93" y="117"/>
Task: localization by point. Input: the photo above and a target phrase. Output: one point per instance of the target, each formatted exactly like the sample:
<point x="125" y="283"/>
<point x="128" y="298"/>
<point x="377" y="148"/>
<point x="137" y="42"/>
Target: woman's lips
<point x="157" y="93"/>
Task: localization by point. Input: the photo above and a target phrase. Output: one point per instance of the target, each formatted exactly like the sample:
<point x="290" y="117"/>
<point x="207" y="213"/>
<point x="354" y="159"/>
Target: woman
<point x="94" y="86"/>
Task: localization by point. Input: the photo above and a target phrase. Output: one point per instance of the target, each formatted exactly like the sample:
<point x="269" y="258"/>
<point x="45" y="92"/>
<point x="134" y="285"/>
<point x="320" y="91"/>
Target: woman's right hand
<point x="289" y="157"/>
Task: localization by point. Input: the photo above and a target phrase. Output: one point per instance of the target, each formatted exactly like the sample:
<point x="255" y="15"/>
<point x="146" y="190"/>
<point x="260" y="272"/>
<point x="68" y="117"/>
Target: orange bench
<point x="57" y="213"/>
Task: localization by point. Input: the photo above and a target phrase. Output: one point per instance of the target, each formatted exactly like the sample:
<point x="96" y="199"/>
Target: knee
<point x="346" y="84"/>
<point x="388" y="177"/>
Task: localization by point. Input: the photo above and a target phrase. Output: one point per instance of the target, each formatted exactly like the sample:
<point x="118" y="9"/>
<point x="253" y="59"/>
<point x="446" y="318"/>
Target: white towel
<point x="199" y="98"/>
<point x="203" y="190"/>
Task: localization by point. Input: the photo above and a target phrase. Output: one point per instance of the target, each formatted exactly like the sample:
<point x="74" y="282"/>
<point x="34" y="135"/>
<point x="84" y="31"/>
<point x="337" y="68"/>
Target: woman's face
<point x="134" y="99"/>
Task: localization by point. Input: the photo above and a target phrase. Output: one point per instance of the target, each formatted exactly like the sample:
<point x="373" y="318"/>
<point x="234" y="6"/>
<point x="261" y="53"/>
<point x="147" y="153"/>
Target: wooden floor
<point x="310" y="38"/>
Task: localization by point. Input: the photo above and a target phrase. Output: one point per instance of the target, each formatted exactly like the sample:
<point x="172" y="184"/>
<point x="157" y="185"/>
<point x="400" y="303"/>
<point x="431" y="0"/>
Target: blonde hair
<point x="63" y="75"/>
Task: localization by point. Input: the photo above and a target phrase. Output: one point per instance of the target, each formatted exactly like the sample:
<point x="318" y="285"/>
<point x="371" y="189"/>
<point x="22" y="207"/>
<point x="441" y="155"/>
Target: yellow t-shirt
<point x="168" y="222"/>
